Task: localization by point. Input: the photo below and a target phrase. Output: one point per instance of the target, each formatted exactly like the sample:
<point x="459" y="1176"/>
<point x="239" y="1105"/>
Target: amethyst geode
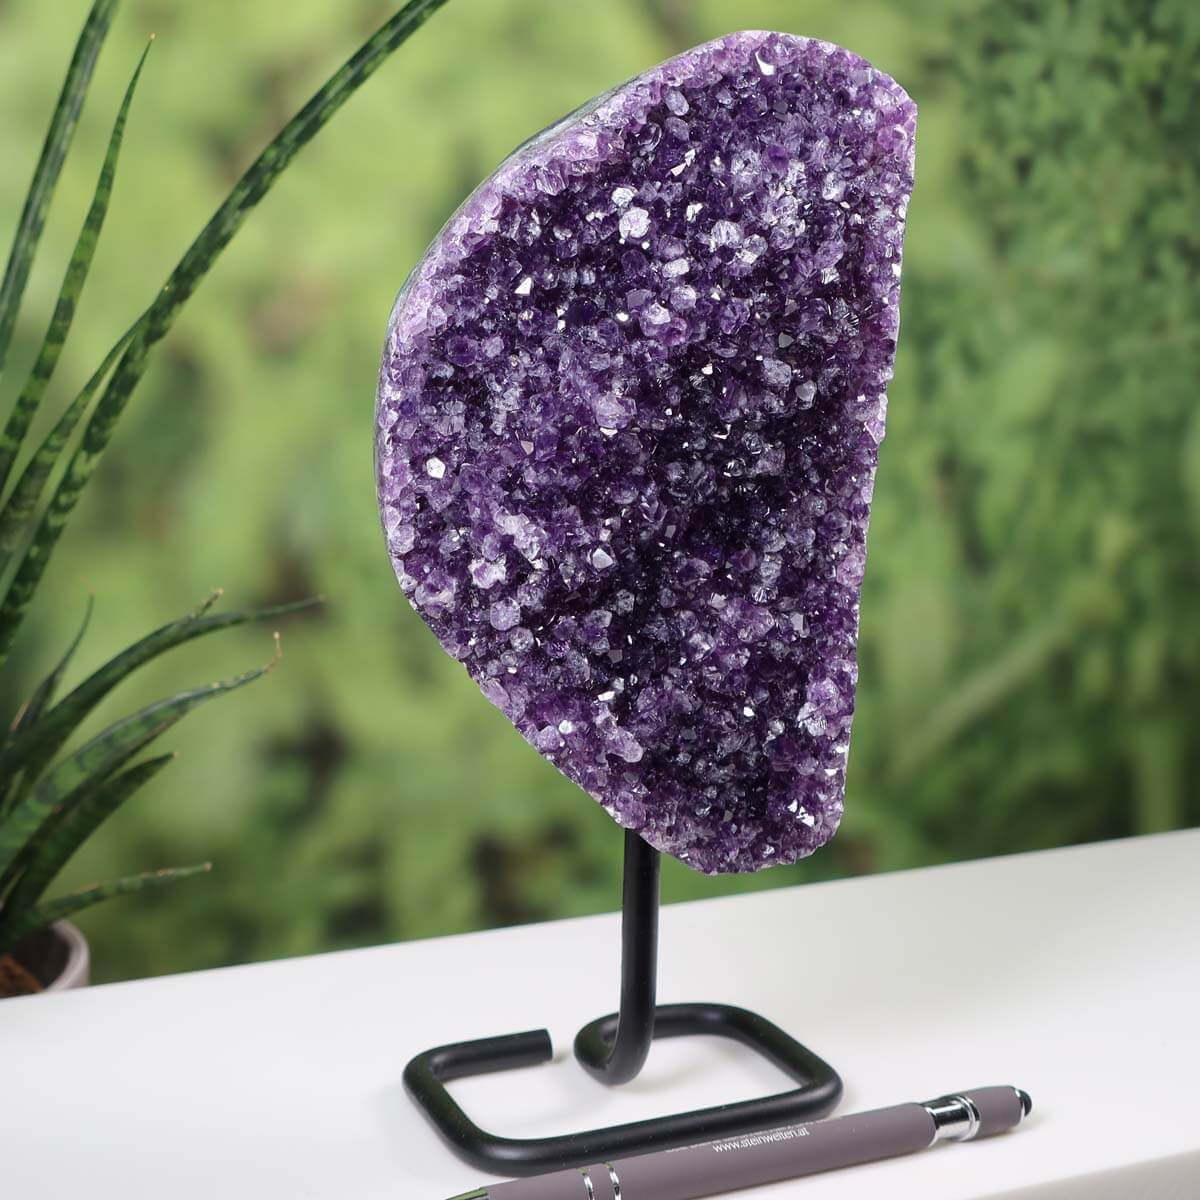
<point x="627" y="429"/>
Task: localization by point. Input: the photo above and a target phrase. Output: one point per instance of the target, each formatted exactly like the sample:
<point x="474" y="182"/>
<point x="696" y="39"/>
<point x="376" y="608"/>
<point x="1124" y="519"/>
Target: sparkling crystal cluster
<point x="627" y="429"/>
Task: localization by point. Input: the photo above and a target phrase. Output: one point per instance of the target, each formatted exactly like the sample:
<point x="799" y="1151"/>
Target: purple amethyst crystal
<point x="627" y="428"/>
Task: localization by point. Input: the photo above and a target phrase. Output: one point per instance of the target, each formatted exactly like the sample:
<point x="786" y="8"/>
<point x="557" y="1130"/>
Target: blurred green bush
<point x="1031" y="625"/>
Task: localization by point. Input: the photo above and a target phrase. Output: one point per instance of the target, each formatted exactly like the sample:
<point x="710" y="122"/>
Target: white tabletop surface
<point x="1074" y="974"/>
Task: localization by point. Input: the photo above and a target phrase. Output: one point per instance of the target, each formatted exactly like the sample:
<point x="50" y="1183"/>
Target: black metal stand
<point x="613" y="1049"/>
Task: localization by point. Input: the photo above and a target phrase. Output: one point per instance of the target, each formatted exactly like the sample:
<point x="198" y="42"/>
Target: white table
<point x="1072" y="973"/>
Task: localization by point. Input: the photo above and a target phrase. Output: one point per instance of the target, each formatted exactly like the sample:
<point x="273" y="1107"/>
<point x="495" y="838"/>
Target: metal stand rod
<point x="613" y="1049"/>
<point x="621" y="1059"/>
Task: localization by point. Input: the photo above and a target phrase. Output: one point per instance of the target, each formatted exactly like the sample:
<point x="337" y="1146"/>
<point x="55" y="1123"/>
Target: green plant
<point x="53" y="799"/>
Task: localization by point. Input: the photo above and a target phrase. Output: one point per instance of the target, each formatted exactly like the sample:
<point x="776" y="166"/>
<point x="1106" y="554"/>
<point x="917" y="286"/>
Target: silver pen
<point x="771" y="1155"/>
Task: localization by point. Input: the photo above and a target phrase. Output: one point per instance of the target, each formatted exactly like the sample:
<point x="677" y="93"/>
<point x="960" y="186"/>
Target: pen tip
<point x="1026" y="1102"/>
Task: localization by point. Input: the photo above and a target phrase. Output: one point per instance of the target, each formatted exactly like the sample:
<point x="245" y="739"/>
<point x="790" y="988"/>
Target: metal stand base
<point x="613" y="1049"/>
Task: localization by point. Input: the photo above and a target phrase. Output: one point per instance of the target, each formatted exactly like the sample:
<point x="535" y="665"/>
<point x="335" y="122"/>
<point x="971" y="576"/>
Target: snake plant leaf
<point x="28" y="402"/>
<point x="157" y="320"/>
<point x="30" y="749"/>
<point x="25" y="923"/>
<point x="31" y="711"/>
<point x="107" y="752"/>
<point x="45" y="175"/>
<point x="66" y="832"/>
<point x="18" y="510"/>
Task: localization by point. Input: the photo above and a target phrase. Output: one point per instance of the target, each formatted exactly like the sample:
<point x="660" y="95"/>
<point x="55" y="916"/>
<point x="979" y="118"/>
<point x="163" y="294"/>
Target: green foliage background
<point x="1030" y="633"/>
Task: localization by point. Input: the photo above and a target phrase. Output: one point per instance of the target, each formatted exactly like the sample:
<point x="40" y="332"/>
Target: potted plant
<point x="53" y="796"/>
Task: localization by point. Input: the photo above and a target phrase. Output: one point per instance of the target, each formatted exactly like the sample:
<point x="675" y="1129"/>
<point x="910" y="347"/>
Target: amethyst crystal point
<point x="627" y="429"/>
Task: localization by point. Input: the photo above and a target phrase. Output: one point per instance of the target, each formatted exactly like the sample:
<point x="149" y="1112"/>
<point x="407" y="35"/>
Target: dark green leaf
<point x="43" y="694"/>
<point x="45" y="176"/>
<point x="154" y="323"/>
<point x="105" y="753"/>
<point x="32" y="709"/>
<point x="65" y="833"/>
<point x="16" y="514"/>
<point x="31" y="395"/>
<point x="30" y="750"/>
<point x="42" y="915"/>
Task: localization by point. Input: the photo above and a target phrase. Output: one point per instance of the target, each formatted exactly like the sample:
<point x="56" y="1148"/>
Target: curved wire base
<point x="613" y="1049"/>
